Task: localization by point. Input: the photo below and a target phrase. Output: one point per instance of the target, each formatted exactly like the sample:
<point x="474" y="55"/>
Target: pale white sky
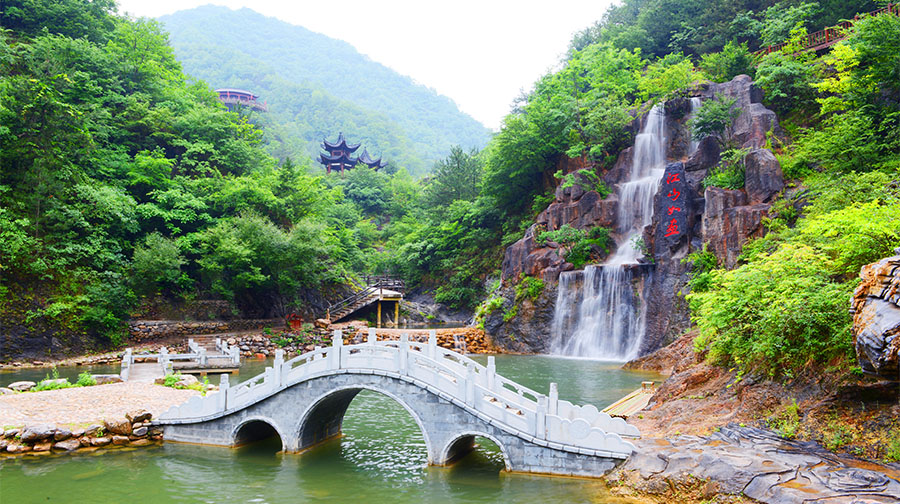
<point x="479" y="53"/>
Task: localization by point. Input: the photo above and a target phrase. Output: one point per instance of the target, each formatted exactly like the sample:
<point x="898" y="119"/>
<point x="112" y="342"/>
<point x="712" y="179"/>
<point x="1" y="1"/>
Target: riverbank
<point x="81" y="406"/>
<point x="85" y="418"/>
<point x="830" y="434"/>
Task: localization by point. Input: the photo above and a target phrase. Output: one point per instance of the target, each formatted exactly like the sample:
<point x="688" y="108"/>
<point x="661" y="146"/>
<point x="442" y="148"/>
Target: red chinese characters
<point x="672" y="229"/>
<point x="674" y="194"/>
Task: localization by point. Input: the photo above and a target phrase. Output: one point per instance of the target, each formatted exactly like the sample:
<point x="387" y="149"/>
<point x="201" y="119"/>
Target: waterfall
<point x="695" y="106"/>
<point x="603" y="318"/>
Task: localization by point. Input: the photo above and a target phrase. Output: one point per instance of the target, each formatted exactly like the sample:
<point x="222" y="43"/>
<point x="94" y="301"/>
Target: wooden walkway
<point x="829" y="36"/>
<point x="632" y="403"/>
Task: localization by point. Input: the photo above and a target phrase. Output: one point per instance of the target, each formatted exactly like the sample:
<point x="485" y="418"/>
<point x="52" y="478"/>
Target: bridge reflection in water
<point x="452" y="399"/>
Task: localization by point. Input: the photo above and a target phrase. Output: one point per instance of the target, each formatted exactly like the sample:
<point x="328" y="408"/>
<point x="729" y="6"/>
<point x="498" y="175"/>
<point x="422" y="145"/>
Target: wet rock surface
<point x="528" y="330"/>
<point x="723" y="219"/>
<point x="760" y="465"/>
<point x="876" y="318"/>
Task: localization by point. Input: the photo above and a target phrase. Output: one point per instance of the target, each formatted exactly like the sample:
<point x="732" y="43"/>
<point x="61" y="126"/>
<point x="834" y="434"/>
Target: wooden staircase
<point x="375" y="286"/>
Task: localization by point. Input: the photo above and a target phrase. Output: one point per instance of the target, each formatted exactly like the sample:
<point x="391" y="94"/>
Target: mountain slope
<point x="316" y="85"/>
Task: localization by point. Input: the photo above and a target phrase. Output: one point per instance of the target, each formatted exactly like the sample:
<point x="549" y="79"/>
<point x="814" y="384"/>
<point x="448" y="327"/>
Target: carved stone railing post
<point x="491" y="373"/>
<point x="278" y="365"/>
<point x="337" y="344"/>
<point x="432" y="344"/>
<point x="553" y="403"/>
<point x="127" y="359"/>
<point x="404" y="353"/>
<point x="540" y="430"/>
<point x="223" y="392"/>
<point x="373" y="336"/>
<point x="470" y="385"/>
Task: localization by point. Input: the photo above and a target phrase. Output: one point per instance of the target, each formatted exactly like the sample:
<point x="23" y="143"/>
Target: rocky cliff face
<point x="876" y="318"/>
<point x="720" y="218"/>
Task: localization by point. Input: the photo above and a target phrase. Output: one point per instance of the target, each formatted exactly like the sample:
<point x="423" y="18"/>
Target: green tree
<point x="457" y="177"/>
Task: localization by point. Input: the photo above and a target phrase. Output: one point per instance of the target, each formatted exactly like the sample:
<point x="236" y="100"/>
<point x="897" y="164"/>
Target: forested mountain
<point x="317" y="86"/>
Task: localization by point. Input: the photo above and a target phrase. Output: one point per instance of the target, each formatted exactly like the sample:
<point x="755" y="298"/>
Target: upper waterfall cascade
<point x="604" y="317"/>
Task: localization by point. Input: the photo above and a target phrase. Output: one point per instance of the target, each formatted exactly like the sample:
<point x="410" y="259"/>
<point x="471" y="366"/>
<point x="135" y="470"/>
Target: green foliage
<point x="171" y="379"/>
<point x="837" y="435"/>
<point x="458" y="177"/>
<point x="783" y="17"/>
<point x="529" y="288"/>
<point x="892" y="452"/>
<point x="488" y="306"/>
<point x="785" y="307"/>
<point x="787" y="82"/>
<point x="715" y="119"/>
<point x="702" y="262"/>
<point x="788" y="422"/>
<point x="734" y="59"/>
<point x="578" y="245"/>
<point x="50" y="382"/>
<point x="668" y="77"/>
<point x="775" y="314"/>
<point x="86" y="379"/>
<point x="157" y="263"/>
<point x="585" y="178"/>
<point x="512" y="313"/>
<point x="729" y="173"/>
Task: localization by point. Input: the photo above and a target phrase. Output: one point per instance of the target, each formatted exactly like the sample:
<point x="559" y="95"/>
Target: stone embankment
<point x="134" y="429"/>
<point x="142" y="330"/>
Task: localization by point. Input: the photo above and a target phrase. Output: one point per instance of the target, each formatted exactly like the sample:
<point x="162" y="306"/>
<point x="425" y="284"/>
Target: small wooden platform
<point x="633" y="402"/>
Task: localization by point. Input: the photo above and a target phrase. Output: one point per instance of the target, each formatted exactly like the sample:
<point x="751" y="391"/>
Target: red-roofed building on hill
<point x="231" y="97"/>
<point x="340" y="156"/>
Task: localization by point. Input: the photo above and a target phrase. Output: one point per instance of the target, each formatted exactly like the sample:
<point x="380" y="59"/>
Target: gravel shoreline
<point x="86" y="405"/>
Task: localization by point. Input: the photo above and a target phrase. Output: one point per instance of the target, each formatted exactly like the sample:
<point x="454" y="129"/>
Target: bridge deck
<point x="145" y="372"/>
<point x="549" y="434"/>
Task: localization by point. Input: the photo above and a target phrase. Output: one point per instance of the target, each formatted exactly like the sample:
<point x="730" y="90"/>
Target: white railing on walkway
<point x="479" y="389"/>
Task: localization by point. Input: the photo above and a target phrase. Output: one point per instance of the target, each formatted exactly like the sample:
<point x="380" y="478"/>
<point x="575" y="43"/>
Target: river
<point x="380" y="459"/>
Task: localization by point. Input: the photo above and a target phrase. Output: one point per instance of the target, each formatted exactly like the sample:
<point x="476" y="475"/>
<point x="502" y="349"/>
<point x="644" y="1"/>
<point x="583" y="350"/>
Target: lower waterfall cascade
<point x="602" y="316"/>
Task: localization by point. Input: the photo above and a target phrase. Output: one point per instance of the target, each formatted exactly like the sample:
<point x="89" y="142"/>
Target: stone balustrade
<point x="544" y="420"/>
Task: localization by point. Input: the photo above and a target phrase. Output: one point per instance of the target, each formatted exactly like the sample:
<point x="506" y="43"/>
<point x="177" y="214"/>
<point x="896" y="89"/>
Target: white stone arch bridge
<point x="451" y="397"/>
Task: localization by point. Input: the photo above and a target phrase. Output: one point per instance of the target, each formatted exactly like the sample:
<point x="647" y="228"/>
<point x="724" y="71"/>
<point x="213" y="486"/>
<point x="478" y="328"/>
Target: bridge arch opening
<point x="258" y="432"/>
<point x="487" y="449"/>
<point x="374" y="419"/>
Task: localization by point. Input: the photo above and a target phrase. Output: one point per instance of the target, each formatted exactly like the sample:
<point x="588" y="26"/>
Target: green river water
<point x="380" y="459"/>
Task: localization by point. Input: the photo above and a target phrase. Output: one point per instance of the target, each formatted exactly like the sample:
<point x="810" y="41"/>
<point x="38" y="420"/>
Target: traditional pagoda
<point x="340" y="158"/>
<point x="375" y="164"/>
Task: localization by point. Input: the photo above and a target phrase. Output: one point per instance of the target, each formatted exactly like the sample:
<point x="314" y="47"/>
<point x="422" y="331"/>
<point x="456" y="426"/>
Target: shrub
<point x="511" y="313"/>
<point x="529" y="287"/>
<point x="49" y="382"/>
<point x="735" y="59"/>
<point x="715" y="119"/>
<point x="702" y="263"/>
<point x="729" y="174"/>
<point x="775" y="314"/>
<point x="85" y="379"/>
<point x="788" y="422"/>
<point x="577" y="244"/>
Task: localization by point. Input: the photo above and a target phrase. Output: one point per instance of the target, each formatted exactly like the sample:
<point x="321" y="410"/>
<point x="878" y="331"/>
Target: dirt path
<point x="87" y="405"/>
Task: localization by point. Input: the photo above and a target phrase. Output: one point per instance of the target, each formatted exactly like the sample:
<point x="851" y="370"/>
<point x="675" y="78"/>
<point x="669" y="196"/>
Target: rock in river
<point x="22" y="386"/>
